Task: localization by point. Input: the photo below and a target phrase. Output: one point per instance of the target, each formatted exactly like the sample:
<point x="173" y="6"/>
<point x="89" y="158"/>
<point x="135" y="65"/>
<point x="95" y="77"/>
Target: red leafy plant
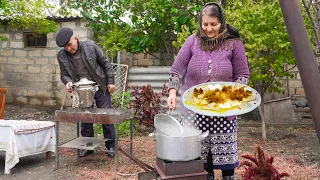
<point x="146" y="104"/>
<point x="258" y="166"/>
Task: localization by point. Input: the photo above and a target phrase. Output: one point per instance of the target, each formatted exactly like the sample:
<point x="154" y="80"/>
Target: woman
<point x="214" y="53"/>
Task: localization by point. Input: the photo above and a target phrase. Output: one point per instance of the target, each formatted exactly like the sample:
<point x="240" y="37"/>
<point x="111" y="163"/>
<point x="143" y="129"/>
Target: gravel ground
<point x="37" y="167"/>
<point x="296" y="151"/>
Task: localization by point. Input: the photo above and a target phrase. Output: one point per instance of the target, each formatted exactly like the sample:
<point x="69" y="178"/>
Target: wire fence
<point x="120" y="76"/>
<point x="280" y="108"/>
<point x="289" y="107"/>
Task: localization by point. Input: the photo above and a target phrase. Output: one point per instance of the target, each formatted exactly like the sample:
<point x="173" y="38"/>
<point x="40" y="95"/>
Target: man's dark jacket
<point x="98" y="66"/>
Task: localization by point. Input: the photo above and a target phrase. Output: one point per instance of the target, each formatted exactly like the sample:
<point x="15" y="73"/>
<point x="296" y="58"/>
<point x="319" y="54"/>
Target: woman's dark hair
<point x="211" y="9"/>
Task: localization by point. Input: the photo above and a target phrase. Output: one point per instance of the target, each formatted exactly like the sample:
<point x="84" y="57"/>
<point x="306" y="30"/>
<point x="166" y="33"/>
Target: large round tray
<point x="247" y="107"/>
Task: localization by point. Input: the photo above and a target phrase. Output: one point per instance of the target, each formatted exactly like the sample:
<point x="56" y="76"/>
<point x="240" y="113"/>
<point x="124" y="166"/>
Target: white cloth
<point x="19" y="138"/>
<point x="25" y="127"/>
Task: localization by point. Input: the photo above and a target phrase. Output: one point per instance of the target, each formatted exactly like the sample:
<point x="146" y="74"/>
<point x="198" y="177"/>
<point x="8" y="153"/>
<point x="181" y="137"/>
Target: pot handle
<point x="202" y="136"/>
<point x="153" y="135"/>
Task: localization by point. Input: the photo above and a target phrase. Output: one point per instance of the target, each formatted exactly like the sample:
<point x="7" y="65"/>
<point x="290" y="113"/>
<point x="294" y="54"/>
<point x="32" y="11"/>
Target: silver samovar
<point x="83" y="93"/>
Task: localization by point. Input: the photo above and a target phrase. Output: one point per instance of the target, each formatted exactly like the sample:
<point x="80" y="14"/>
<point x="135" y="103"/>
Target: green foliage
<point x="116" y="39"/>
<point x="311" y="16"/>
<point x="266" y="40"/>
<point x="185" y="33"/>
<point x="126" y="100"/>
<point x="124" y="127"/>
<point x="3" y="4"/>
<point x="28" y="15"/>
<point x="116" y="98"/>
<point x="3" y="38"/>
<point x="149" y="26"/>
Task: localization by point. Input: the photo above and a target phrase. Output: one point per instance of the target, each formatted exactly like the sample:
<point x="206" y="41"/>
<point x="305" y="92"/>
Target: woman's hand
<point x="171" y="100"/>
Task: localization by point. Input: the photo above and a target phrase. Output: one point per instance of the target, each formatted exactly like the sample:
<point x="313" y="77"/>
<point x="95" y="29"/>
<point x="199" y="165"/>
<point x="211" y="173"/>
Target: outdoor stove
<point x="84" y="110"/>
<point x="178" y="150"/>
<point x="177" y="170"/>
<point x="181" y="170"/>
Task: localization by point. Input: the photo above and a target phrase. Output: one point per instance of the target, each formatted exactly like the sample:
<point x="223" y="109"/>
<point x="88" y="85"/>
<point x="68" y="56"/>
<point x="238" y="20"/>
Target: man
<point x="84" y="59"/>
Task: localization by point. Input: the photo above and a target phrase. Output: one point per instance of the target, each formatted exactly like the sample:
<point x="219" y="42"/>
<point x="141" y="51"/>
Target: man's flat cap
<point x="63" y="36"/>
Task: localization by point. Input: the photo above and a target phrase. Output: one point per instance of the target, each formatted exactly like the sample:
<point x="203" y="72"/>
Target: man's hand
<point x="171" y="101"/>
<point x="111" y="88"/>
<point x="69" y="87"/>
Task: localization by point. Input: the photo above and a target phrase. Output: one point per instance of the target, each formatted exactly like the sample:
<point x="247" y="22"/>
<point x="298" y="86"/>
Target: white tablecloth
<point x="21" y="138"/>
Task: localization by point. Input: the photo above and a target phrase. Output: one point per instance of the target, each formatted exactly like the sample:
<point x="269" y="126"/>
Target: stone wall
<point x="144" y="59"/>
<point x="32" y="75"/>
<point x="295" y="87"/>
<point x="292" y="86"/>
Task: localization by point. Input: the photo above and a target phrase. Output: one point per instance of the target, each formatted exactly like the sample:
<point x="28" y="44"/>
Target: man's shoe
<point x="228" y="177"/>
<point x="210" y="176"/>
<point x="85" y="153"/>
<point x="111" y="152"/>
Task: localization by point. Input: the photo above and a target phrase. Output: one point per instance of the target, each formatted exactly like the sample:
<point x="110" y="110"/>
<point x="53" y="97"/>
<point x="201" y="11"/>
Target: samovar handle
<point x="97" y="87"/>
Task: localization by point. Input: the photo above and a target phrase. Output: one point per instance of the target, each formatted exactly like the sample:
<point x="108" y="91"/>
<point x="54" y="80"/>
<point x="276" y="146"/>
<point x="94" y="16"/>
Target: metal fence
<point x="120" y="76"/>
<point x="289" y="107"/>
<point x="280" y="106"/>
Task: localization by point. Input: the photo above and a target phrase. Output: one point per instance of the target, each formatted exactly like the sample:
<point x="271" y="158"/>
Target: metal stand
<point x="189" y="170"/>
<point x="92" y="115"/>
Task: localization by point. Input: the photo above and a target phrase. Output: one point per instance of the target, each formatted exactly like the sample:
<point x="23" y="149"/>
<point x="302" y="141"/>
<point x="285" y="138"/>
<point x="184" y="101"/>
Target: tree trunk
<point x="263" y="123"/>
<point x="316" y="49"/>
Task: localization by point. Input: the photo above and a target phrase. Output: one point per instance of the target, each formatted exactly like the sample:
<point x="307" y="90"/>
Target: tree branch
<point x="151" y="54"/>
<point x="165" y="44"/>
<point x="313" y="24"/>
<point x="310" y="3"/>
<point x="290" y="68"/>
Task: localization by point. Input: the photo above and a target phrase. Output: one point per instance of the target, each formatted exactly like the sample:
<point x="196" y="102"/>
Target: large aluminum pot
<point x="83" y="92"/>
<point x="180" y="148"/>
<point x="167" y="125"/>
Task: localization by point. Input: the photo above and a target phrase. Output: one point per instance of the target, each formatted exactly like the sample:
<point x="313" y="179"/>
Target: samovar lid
<point x="84" y="81"/>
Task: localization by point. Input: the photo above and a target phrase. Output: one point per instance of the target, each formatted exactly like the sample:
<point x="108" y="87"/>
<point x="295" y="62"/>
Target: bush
<point x="146" y="104"/>
<point x="259" y="166"/>
<point x="124" y="127"/>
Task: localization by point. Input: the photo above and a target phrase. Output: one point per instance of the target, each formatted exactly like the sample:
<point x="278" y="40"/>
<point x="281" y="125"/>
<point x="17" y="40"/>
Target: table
<point x="92" y="115"/>
<point x="20" y="138"/>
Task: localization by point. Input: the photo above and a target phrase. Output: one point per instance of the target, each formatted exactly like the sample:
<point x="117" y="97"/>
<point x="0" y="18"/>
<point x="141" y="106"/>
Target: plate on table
<point x="221" y="99"/>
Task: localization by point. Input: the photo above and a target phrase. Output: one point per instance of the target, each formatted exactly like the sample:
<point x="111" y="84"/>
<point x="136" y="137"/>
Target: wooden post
<point x="304" y="56"/>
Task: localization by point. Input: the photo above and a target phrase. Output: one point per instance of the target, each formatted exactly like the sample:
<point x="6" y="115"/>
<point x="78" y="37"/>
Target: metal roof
<point x="55" y="18"/>
<point x="63" y="17"/>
